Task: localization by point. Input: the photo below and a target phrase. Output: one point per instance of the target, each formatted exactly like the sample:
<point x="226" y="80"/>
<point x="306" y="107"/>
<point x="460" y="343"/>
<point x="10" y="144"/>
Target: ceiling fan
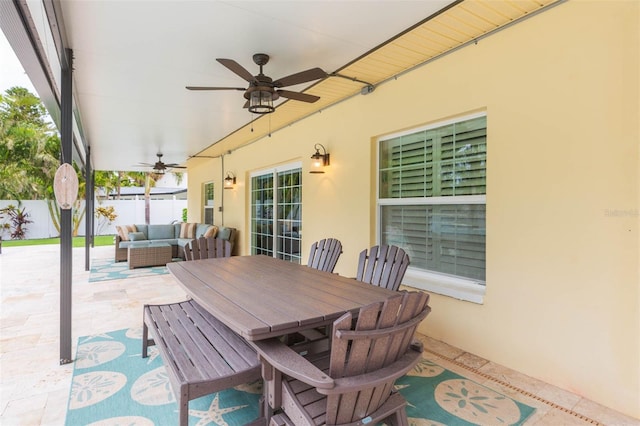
<point x="263" y="90"/>
<point x="160" y="167"/>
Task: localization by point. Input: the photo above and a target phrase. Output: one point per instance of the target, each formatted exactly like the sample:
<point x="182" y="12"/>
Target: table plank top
<point x="261" y="297"/>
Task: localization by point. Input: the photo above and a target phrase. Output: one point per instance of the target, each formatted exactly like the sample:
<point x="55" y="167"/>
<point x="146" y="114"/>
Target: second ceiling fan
<point x="263" y="90"/>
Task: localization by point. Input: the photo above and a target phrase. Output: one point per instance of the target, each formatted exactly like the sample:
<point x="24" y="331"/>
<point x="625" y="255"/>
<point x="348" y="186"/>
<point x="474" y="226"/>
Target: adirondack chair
<point x="207" y="248"/>
<point x="353" y="382"/>
<point x="384" y="266"/>
<point x="324" y="254"/>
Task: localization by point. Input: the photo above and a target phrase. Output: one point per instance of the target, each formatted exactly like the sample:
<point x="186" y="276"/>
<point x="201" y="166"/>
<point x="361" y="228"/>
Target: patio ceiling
<point x="133" y="60"/>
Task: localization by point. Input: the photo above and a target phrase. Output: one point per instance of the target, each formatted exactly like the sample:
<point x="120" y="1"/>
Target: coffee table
<point x="141" y="254"/>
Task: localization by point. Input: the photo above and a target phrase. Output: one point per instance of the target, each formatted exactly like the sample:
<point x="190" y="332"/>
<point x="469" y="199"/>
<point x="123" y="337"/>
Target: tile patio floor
<point x="34" y="387"/>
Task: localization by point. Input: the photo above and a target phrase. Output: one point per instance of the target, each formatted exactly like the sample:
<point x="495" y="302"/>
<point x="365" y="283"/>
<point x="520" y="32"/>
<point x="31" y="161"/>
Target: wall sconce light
<point x="319" y="160"/>
<point x="230" y="181"/>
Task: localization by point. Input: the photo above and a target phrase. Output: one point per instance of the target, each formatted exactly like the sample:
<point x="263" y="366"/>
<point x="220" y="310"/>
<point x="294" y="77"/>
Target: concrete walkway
<point x="34" y="386"/>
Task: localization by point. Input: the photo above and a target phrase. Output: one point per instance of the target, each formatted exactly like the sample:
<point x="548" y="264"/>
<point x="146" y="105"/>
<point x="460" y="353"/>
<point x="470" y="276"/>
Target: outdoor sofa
<point x="177" y="235"/>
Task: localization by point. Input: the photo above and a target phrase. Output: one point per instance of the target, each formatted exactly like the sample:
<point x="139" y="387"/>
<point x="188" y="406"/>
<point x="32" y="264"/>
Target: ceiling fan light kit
<point x="260" y="100"/>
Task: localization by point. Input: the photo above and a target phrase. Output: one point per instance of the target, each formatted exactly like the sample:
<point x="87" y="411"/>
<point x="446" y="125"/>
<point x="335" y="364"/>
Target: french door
<point x="276" y="212"/>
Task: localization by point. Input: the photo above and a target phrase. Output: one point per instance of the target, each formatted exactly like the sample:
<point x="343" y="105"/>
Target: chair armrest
<point x="289" y="362"/>
<point x="374" y="378"/>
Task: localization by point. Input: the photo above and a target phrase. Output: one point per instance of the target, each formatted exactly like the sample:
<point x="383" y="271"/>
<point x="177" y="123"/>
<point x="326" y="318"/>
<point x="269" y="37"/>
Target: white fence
<point x="128" y="211"/>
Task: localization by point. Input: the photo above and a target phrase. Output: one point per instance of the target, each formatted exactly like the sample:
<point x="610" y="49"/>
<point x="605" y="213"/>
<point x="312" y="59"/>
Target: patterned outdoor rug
<point x="107" y="269"/>
<point x="113" y="384"/>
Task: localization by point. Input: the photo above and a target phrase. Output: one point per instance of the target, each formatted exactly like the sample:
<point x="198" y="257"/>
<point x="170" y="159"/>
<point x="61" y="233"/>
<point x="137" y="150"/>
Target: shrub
<point x="19" y="219"/>
<point x="105" y="215"/>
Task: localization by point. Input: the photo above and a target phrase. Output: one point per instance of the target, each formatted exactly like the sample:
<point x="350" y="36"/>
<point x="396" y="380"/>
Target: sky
<point x="11" y="71"/>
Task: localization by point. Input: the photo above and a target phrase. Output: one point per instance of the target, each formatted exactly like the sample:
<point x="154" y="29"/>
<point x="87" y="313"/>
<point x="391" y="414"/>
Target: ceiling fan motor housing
<point x="261" y="59"/>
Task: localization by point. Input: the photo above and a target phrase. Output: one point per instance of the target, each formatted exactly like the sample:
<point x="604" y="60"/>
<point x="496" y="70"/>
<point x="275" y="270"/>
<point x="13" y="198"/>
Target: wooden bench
<point x="201" y="354"/>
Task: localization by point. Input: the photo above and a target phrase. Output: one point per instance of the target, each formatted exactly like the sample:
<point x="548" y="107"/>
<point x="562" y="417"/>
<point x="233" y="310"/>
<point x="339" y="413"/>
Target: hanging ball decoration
<point x="65" y="186"/>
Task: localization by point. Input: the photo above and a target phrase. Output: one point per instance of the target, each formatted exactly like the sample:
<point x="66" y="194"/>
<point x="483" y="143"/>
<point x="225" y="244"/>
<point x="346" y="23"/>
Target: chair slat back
<point x="207" y="248"/>
<point x="324" y="254"/>
<point x="382" y="334"/>
<point x="384" y="266"/>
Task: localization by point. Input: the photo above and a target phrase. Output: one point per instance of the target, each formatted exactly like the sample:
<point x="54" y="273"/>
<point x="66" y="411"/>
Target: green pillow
<point x="137" y="236"/>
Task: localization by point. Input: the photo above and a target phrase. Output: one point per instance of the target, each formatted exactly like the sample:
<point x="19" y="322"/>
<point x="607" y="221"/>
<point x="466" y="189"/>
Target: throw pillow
<point x="124" y="230"/>
<point x="224" y="233"/>
<point x="188" y="230"/>
<point x="137" y="236"/>
<point x="211" y="232"/>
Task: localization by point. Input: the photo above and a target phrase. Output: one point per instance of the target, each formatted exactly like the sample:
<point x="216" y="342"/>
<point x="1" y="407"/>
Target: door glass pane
<point x="262" y="215"/>
<point x="208" y="203"/>
<point x="289" y="215"/>
<point x="208" y="216"/>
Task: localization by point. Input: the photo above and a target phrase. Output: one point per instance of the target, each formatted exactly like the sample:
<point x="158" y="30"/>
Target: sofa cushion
<point x="123" y="231"/>
<point x="160" y="232"/>
<point x="137" y="236"/>
<point x="188" y="230"/>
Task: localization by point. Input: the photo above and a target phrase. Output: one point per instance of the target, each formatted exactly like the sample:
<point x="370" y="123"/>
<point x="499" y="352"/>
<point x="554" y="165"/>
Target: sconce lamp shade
<point x="65" y="186"/>
<point x="319" y="160"/>
<point x="229" y="181"/>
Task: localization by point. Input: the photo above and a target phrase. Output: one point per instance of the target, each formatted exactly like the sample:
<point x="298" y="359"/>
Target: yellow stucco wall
<point x="561" y="93"/>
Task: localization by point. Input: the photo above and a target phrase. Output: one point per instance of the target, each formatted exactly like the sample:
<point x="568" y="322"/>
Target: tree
<point x="30" y="154"/>
<point x="148" y="180"/>
<point x="29" y="147"/>
<point x="111" y="181"/>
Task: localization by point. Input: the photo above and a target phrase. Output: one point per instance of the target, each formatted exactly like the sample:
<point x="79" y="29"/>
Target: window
<point x="276" y="213"/>
<point x="208" y="203"/>
<point x="432" y="203"/>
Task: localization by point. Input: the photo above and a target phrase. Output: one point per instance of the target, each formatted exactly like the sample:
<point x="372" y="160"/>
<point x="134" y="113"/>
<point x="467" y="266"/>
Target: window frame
<point x="462" y="288"/>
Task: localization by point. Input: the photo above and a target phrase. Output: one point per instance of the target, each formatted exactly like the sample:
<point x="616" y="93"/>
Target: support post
<point x="66" y="226"/>
<point x="89" y="209"/>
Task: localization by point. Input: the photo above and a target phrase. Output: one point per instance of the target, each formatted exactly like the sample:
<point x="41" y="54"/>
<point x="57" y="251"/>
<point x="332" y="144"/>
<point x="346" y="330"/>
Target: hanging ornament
<point x="65" y="186"/>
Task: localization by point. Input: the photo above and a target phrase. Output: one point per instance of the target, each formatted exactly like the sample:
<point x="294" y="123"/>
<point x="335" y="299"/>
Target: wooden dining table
<point x="260" y="297"/>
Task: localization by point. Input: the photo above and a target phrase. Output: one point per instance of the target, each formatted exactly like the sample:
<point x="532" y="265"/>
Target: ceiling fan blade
<point x="301" y="77"/>
<point x="297" y="96"/>
<point x="146" y="164"/>
<point x="175" y="166"/>
<point x="237" y="68"/>
<point x="214" y="88"/>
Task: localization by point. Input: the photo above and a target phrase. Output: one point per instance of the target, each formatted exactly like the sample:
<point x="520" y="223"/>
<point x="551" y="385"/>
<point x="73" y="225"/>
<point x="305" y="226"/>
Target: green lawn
<point x="99" y="240"/>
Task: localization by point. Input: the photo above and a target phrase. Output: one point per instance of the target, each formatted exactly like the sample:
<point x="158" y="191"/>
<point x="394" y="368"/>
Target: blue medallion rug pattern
<point x="113" y="385"/>
<point x="107" y="269"/>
